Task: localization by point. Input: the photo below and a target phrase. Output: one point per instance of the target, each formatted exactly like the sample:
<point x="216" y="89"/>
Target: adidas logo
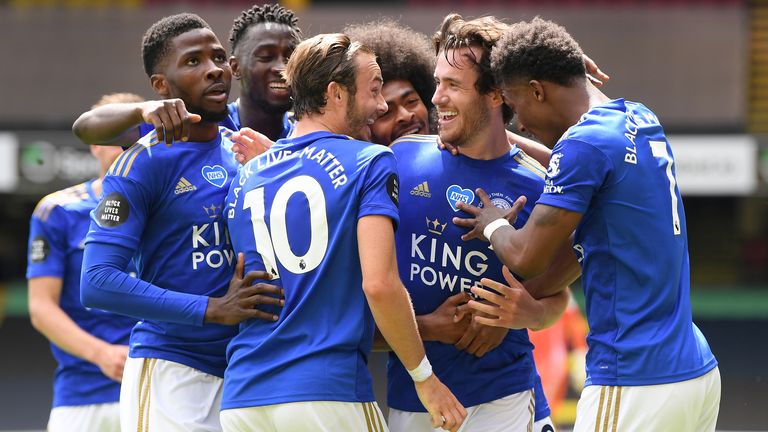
<point x="184" y="186"/>
<point x="421" y="190"/>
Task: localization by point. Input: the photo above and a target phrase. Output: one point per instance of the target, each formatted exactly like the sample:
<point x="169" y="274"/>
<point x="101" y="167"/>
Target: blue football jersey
<point x="616" y="167"/>
<point x="435" y="263"/>
<point x="57" y="232"/>
<point x="165" y="202"/>
<point x="233" y="119"/>
<point x="294" y="211"/>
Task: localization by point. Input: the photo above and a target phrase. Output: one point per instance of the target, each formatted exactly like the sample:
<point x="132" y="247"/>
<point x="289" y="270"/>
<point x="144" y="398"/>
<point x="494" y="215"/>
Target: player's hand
<point x="595" y="75"/>
<point x="445" y="411"/>
<point x="111" y="361"/>
<point x="485" y="215"/>
<point x="512" y="308"/>
<point x="479" y="339"/>
<point x="446" y="146"/>
<point x="240" y="301"/>
<point x="249" y="144"/>
<point x="441" y="325"/>
<point x="170" y="118"/>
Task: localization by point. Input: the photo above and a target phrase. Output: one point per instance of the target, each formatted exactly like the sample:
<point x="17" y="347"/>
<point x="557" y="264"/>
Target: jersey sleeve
<point x="380" y="190"/>
<point x="577" y="170"/>
<point x="47" y="247"/>
<point x="122" y="212"/>
<point x="105" y="285"/>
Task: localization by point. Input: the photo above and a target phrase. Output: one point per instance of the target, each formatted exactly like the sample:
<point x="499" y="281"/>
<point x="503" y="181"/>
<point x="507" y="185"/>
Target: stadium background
<point x="702" y="66"/>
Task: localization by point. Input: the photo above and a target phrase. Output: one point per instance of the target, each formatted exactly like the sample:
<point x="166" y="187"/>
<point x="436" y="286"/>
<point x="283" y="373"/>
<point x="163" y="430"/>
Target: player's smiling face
<point x="367" y="104"/>
<point x="406" y="113"/>
<point x="461" y="110"/>
<point x="259" y="61"/>
<point x="197" y="72"/>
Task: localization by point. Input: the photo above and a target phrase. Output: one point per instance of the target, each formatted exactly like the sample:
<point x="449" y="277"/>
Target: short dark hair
<point x="315" y="63"/>
<point x="268" y="13"/>
<point x="402" y="54"/>
<point x="456" y="32"/>
<point x="154" y="46"/>
<point x="540" y="50"/>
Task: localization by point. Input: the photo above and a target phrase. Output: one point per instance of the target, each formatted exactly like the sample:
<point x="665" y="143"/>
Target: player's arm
<point x="512" y="306"/>
<point x="530" y="250"/>
<point x="392" y="310"/>
<point x="440" y="325"/>
<point x="117" y="124"/>
<point x="106" y="285"/>
<point x="49" y="319"/>
<point x="563" y="271"/>
<point x="535" y="149"/>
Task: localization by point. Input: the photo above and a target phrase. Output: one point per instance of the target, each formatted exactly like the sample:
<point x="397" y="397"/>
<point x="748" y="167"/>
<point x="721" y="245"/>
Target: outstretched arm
<point x="105" y="285"/>
<point x="392" y="310"/>
<point x="117" y="124"/>
<point x="528" y="251"/>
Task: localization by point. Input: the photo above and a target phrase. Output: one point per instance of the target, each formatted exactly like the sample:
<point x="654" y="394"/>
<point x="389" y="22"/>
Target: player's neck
<point x="596" y="97"/>
<point x="203" y="131"/>
<point x="96" y="185"/>
<point x="313" y="123"/>
<point x="257" y="118"/>
<point x="488" y="144"/>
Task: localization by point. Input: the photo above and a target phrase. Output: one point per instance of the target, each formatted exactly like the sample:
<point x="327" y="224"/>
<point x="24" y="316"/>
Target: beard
<point x="210" y="116"/>
<point x="357" y="122"/>
<point x="474" y="120"/>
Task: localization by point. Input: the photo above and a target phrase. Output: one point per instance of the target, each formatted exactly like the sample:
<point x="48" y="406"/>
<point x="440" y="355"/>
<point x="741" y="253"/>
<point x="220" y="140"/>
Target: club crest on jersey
<point x="434" y="226"/>
<point x="456" y="193"/>
<point x="215" y="175"/>
<point x="554" y="165"/>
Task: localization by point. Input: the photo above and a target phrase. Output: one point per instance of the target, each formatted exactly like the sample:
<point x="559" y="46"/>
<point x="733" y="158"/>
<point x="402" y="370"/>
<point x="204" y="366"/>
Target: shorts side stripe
<point x="608" y="408"/>
<point x="377" y="416"/>
<point x="616" y="409"/>
<point x="367" y="417"/>
<point x="599" y="409"/>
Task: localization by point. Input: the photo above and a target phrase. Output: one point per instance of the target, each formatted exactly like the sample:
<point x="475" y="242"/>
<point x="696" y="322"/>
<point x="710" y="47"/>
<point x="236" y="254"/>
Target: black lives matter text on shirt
<point x="112" y="211"/>
<point x="393" y="189"/>
<point x="39" y="250"/>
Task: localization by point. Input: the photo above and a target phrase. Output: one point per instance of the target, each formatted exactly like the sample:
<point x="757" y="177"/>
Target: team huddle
<point x="234" y="266"/>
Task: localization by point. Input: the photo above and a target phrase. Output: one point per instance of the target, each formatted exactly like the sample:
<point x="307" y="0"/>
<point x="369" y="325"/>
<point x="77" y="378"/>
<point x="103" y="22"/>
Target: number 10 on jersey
<point x="272" y="240"/>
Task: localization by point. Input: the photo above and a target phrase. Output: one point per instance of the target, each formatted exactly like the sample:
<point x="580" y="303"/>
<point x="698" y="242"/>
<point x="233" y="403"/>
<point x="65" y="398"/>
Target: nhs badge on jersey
<point x="215" y="175"/>
<point x="456" y="193"/>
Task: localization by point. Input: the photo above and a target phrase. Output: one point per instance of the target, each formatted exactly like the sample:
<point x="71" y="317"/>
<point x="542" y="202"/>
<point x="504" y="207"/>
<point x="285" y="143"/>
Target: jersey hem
<point x="249" y="403"/>
<point x="669" y="379"/>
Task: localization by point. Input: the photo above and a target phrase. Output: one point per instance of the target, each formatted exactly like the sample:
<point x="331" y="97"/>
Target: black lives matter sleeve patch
<point x="393" y="189"/>
<point x="39" y="250"/>
<point x="112" y="211"/>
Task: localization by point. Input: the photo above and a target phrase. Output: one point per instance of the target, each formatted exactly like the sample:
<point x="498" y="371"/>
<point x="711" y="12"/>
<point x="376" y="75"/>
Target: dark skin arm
<point x="439" y="325"/>
<point x="531" y="250"/>
<point x="242" y="297"/>
<point x="116" y="124"/>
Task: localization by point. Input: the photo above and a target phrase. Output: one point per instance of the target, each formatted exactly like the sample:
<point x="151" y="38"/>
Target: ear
<point x="497" y="98"/>
<point x="537" y="90"/>
<point x="335" y="94"/>
<point x="160" y="85"/>
<point x="235" y="66"/>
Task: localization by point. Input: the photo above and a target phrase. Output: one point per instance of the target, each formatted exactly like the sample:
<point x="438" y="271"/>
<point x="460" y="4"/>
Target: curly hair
<point x="154" y="45"/>
<point x="402" y="54"/>
<point x="540" y="50"/>
<point x="317" y="62"/>
<point x="456" y="33"/>
<point x="268" y="13"/>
